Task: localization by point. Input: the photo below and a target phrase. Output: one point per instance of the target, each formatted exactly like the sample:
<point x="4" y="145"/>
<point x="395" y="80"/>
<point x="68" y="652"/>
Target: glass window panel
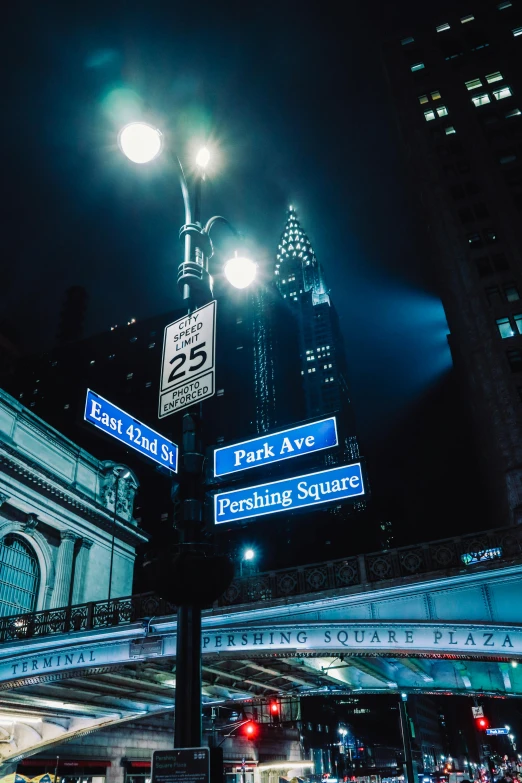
<point x="504" y="92"/>
<point x="518" y="322"/>
<point x="429" y="115"/>
<point x="511" y="292"/>
<point x="513" y="113"/>
<point x="494" y="77"/>
<point x="417" y="67"/>
<point x="408" y="40"/>
<point x="423" y="99"/>
<point x="468" y="18"/>
<point x="449" y="130"/>
<point x="480" y="100"/>
<point x="517" y="31"/>
<point x="435" y="95"/>
<point x="504" y="327"/>
<point x="442" y="111"/>
<point x="441" y="27"/>
<point x="472" y="84"/>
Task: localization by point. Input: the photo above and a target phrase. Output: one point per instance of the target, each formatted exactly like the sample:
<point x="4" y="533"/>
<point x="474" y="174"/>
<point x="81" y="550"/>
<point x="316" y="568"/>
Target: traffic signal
<point x="250" y="729"/>
<point x="482" y="723"/>
<point x="275" y="711"/>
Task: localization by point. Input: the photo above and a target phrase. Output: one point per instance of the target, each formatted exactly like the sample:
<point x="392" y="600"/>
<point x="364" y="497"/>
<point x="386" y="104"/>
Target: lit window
<point x="504" y="92"/>
<point x="435" y="95"/>
<point x="130" y="376"/>
<point x="468" y="18"/>
<point x="423" y="99"/>
<point x="516" y="32"/>
<point x="151" y="345"/>
<point x="504" y="327"/>
<point x="148" y="384"/>
<point x="53" y="364"/>
<point x="66" y="406"/>
<point x="239" y="348"/>
<point x="429" y="115"/>
<point x="442" y="111"/>
<point x="480" y="100"/>
<point x="111" y="355"/>
<point x="494" y="77"/>
<point x="475" y="240"/>
<point x="511" y="292"/>
<point x="220" y="392"/>
<point x="449" y="130"/>
<point x="409" y="40"/>
<point x="93" y="361"/>
<point x="505" y="4"/>
<point x="518" y="322"/>
<point x="21" y="395"/>
<point x="513" y="113"/>
<point x="473" y="84"/>
<point x="419" y="66"/>
<point x="442" y="27"/>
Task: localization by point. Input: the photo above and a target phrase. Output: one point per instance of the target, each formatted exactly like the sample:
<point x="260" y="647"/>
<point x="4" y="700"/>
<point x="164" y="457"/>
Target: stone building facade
<point x="66" y="518"/>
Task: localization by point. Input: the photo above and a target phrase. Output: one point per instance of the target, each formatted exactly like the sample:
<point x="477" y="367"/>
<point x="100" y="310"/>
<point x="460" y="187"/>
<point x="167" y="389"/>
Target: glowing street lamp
<point x="240" y="271"/>
<point x="140" y="142"/>
<point x="249" y="554"/>
<point x="203" y="158"/>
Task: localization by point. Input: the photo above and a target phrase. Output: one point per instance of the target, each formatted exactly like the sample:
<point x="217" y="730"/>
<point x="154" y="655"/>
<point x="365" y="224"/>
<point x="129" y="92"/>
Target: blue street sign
<point x="326" y="486"/>
<point x="496" y="732"/>
<point x="129" y="431"/>
<point x="314" y="436"/>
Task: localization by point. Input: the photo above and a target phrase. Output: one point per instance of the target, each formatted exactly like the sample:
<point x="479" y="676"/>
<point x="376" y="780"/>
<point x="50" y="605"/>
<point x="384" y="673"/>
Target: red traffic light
<point x="250" y="730"/>
<point x="274" y="708"/>
<point x="482" y="723"/>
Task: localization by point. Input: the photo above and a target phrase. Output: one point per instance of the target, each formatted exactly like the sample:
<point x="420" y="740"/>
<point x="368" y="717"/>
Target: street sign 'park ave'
<point x="188" y="364"/>
<point x="120" y="425"/>
<point x="303" y="439"/>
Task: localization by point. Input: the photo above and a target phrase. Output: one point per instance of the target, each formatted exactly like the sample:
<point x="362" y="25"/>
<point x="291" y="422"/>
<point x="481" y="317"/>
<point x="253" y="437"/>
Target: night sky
<point x="293" y="100"/>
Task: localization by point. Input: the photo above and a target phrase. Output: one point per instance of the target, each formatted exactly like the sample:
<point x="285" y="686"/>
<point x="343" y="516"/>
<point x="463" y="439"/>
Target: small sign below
<point x="181" y="765"/>
<point x="326" y="486"/>
<point x="120" y="425"/>
<point x="477" y="712"/>
<point x="188" y="363"/>
<point x="303" y="439"/>
<point x="496" y="732"/>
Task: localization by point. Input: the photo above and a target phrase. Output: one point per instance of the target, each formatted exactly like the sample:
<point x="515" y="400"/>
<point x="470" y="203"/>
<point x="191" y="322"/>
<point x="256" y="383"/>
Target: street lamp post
<point x="141" y="143"/>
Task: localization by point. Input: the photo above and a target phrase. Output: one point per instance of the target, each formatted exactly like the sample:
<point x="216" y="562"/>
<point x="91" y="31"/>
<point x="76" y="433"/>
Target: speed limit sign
<point x="188" y="363"/>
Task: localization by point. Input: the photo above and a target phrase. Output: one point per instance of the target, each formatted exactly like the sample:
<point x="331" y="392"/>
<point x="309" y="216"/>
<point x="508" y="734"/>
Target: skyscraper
<point x="300" y="279"/>
<point x="456" y="87"/>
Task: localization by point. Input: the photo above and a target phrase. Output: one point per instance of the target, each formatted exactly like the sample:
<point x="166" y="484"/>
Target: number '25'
<point x="196" y="352"/>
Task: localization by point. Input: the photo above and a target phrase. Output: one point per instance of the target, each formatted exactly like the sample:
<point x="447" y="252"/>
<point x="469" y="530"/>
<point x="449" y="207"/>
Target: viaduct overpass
<point x="442" y="618"/>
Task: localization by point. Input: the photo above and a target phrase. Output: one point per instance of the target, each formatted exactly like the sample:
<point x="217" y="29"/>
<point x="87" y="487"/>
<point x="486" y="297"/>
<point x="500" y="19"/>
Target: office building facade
<point x="456" y="89"/>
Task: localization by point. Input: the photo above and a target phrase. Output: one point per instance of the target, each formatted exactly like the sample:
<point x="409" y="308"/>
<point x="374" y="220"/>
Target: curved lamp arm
<point x="219" y="219"/>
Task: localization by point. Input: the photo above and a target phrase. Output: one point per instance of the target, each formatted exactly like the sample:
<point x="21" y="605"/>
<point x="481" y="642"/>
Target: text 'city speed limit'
<point x="187" y="368"/>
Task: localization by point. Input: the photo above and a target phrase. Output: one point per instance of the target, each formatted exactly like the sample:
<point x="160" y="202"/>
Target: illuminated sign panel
<point x="120" y="425"/>
<point x="326" y="486"/>
<point x="304" y="439"/>
<point x="496" y="732"/>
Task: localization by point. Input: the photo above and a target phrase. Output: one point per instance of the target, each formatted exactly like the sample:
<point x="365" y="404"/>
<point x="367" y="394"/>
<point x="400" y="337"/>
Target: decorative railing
<point x="463" y="553"/>
<point x="83" y="617"/>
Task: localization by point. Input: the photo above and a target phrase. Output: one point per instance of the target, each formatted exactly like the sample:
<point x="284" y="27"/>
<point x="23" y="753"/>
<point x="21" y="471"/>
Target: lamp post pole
<point x="141" y="143"/>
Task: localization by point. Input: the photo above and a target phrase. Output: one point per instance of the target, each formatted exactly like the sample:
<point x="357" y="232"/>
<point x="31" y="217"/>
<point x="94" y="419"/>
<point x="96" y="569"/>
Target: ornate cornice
<point x="30" y="472"/>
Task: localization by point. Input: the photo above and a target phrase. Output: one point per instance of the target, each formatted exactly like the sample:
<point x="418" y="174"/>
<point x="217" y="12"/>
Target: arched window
<point x="19" y="576"/>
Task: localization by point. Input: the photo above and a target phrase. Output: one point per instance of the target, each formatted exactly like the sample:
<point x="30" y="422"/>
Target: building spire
<point x="297" y="269"/>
